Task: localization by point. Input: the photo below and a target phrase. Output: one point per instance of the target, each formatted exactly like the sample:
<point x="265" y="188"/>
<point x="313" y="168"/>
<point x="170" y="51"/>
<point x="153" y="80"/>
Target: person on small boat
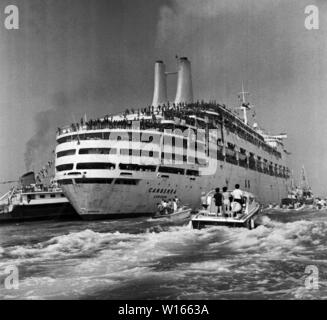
<point x="160" y="207"/>
<point x="218" y="201"/>
<point x="175" y="205"/>
<point x="170" y="206"/>
<point x="237" y="195"/>
<point x="204" y="200"/>
<point x="164" y="206"/>
<point x="176" y="199"/>
<point x="226" y="201"/>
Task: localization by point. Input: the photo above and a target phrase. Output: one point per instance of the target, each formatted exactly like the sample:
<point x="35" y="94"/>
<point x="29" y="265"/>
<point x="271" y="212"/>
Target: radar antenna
<point x="245" y="106"/>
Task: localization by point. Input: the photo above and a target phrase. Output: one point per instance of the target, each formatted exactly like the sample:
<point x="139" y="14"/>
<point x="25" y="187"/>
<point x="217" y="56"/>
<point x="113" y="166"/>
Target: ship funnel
<point x="160" y="85"/>
<point x="184" y="92"/>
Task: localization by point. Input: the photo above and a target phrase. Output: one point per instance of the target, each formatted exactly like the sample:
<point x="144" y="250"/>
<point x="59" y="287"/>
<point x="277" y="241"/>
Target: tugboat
<point x="307" y="194"/>
<point x="244" y="218"/>
<point x="31" y="201"/>
<point x="298" y="197"/>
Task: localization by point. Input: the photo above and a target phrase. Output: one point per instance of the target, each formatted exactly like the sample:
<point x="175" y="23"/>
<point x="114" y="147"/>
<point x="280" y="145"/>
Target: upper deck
<point x="194" y="116"/>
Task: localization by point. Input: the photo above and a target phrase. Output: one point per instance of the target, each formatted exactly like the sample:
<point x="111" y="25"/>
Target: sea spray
<point x="135" y="258"/>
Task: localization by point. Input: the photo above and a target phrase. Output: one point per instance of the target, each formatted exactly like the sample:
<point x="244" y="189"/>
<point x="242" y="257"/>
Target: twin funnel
<point x="184" y="93"/>
<point x="160" y="84"/>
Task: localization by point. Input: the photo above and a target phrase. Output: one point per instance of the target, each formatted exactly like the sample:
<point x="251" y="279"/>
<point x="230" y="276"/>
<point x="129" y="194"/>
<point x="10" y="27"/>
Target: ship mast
<point x="244" y="105"/>
<point x="304" y="180"/>
<point x="292" y="180"/>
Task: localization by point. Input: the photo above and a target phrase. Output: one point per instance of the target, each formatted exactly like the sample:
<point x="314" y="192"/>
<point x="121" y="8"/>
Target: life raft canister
<point x="236" y="206"/>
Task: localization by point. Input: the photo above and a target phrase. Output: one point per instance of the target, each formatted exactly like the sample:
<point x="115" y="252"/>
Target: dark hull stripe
<point x="200" y="224"/>
<point x="204" y="224"/>
<point x="40" y="212"/>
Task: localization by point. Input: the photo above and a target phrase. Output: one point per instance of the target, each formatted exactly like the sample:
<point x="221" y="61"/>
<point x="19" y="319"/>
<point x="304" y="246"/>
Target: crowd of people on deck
<point x="39" y="187"/>
<point x="228" y="204"/>
<point x="149" y="117"/>
<point x="16" y="191"/>
<point x="182" y="114"/>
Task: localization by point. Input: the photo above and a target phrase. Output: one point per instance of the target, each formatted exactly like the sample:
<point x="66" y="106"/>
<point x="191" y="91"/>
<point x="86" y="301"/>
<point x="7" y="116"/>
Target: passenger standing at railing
<point x="204" y="201"/>
<point x="237" y="195"/>
<point x="175" y="206"/>
<point x="226" y="201"/>
<point x="218" y="201"/>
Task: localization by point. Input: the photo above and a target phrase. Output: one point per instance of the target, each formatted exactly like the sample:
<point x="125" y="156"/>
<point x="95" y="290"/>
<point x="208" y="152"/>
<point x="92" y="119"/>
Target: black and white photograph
<point x="163" y="150"/>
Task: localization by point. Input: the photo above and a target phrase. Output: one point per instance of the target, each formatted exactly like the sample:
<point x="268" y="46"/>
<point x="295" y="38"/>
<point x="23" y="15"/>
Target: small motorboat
<point x="181" y="213"/>
<point x="244" y="217"/>
<point x="292" y="204"/>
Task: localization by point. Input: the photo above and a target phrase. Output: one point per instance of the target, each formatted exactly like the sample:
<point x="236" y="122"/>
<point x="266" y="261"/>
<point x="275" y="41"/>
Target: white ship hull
<point x="94" y="200"/>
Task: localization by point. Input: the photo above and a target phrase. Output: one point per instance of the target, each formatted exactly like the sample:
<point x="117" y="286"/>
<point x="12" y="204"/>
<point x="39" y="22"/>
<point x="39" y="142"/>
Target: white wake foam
<point x="84" y="261"/>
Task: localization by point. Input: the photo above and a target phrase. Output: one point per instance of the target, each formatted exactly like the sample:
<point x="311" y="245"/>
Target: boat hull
<point x="177" y="216"/>
<point x="200" y="221"/>
<point x="197" y="224"/>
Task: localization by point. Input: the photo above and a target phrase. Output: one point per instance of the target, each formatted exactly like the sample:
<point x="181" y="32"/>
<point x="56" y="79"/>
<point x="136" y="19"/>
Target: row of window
<point x="137" y="167"/>
<point x="96" y="166"/>
<point x="72" y="152"/>
<point x="251" y="163"/>
<point x="99" y="181"/>
<point x="178" y="158"/>
<point x="230" y="154"/>
<point x="87" y="166"/>
<point x="128" y="167"/>
<point x="128" y="136"/>
<point x="43" y="196"/>
<point x="171" y="170"/>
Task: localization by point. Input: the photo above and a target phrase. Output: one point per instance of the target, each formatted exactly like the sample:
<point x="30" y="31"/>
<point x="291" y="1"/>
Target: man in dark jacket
<point x="218" y="200"/>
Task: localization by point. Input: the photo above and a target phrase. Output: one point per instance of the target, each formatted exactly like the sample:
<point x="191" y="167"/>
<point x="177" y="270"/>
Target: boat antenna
<point x="245" y="106"/>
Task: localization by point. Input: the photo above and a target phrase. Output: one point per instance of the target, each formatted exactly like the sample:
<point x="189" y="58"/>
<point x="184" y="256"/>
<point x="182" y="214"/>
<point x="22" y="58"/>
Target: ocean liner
<point x="124" y="165"/>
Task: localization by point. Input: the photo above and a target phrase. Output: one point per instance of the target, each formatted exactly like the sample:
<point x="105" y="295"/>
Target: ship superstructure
<point x="124" y="165"/>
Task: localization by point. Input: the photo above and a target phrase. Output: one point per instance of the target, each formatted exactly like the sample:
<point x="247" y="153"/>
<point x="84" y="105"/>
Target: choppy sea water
<point x="140" y="259"/>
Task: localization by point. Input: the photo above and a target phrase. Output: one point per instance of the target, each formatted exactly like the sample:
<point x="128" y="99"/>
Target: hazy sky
<point x="96" y="56"/>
